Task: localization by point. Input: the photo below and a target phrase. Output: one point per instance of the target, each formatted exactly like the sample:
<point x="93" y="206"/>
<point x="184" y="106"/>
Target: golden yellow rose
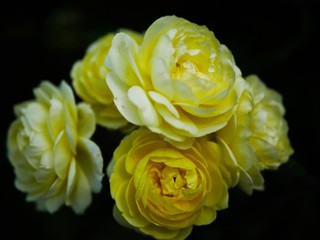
<point x="163" y="191"/>
<point x="179" y="82"/>
<point x="256" y="138"/>
<point x="89" y="81"/>
<point x="49" y="146"/>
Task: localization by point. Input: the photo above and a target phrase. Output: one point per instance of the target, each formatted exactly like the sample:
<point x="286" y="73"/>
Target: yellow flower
<point x="239" y="155"/>
<point x="269" y="127"/>
<point x="162" y="190"/>
<point x="88" y="78"/>
<point x="256" y="138"/>
<point x="180" y="82"/>
<point x="49" y="146"/>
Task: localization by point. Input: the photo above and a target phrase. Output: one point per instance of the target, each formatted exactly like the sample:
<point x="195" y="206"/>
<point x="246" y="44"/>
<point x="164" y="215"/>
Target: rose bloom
<point x="161" y="190"/>
<point x="180" y="82"/>
<point x="49" y="146"/>
<point x="256" y="138"/>
<point x="239" y="154"/>
<point x="269" y="126"/>
<point x="88" y="79"/>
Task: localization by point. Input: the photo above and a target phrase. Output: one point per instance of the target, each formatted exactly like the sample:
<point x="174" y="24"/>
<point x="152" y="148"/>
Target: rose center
<point x="193" y="66"/>
<point x="172" y="180"/>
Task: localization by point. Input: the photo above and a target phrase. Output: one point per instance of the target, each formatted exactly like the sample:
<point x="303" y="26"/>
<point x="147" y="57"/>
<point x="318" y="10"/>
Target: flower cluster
<point x="194" y="128"/>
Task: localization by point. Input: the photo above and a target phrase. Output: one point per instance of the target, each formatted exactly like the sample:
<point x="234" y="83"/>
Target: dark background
<point x="276" y="40"/>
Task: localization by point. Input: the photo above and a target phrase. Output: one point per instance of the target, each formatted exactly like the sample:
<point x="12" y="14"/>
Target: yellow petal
<point x="145" y="108"/>
<point x="86" y="121"/>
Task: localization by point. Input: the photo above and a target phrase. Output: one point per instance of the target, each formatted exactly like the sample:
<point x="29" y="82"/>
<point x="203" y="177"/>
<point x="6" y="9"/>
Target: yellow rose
<point x="269" y="126"/>
<point x="163" y="191"/>
<point x="180" y="82"/>
<point x="256" y="138"/>
<point x="239" y="155"/>
<point x="49" y="146"/>
<point x="88" y="78"/>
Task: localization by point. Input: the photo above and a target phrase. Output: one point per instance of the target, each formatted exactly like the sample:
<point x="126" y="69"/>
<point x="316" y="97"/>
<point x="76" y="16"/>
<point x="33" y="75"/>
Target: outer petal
<point x="121" y="59"/>
<point x="89" y="159"/>
<point x="146" y="110"/>
<point x="121" y="100"/>
<point x="86" y="121"/>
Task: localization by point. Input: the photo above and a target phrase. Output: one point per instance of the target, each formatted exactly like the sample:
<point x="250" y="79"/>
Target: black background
<point x="276" y="40"/>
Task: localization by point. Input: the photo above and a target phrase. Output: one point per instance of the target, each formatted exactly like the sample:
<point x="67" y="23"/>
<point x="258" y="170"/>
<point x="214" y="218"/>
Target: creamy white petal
<point x="89" y="159"/>
<point x="80" y="197"/>
<point x="61" y="156"/>
<point x="86" y="120"/>
<point x="161" y="78"/>
<point x="160" y="99"/>
<point x="146" y="110"/>
<point x="121" y="59"/>
<point x="121" y="100"/>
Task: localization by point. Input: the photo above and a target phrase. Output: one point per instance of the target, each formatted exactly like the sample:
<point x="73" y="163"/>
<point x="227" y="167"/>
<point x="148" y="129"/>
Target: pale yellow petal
<point x="61" y="156"/>
<point x="121" y="99"/>
<point x="146" y="110"/>
<point x="86" y="121"/>
<point x="89" y="159"/>
<point x="121" y="59"/>
<point x="206" y="216"/>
